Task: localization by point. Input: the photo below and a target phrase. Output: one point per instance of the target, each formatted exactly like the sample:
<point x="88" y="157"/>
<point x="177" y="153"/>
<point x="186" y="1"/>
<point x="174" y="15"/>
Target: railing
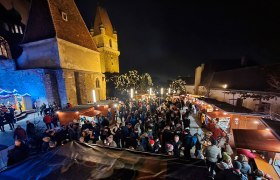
<point x="275" y="116"/>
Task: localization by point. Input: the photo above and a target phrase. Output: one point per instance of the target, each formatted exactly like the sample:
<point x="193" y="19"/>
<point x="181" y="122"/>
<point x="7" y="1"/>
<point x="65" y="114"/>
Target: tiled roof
<point x="102" y="17"/>
<point x="254" y="78"/>
<point x="45" y="21"/>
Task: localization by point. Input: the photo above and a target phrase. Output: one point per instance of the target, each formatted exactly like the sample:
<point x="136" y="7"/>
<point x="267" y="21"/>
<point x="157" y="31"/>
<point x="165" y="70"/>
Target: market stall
<point x="13" y="98"/>
<point x="69" y="115"/>
<point x="224" y="119"/>
<point x="265" y="145"/>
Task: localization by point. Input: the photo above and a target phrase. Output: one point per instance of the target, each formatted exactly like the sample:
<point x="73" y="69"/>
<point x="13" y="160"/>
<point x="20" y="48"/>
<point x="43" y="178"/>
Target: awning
<point x="79" y="161"/>
<point x="262" y="140"/>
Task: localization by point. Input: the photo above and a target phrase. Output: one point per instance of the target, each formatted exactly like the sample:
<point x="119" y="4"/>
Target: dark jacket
<point x="17" y="154"/>
<point x="230" y="174"/>
<point x="30" y="129"/>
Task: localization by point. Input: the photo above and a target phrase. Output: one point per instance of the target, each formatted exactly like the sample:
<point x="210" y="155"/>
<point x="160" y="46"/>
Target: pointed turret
<point x="106" y="39"/>
<point x="102" y="21"/>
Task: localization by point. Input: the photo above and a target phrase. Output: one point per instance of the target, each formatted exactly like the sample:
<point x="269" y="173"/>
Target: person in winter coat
<point x="188" y="143"/>
<point x="246" y="168"/>
<point x="212" y="154"/>
<point x="177" y="144"/>
<point x="30" y="129"/>
<point x="20" y="133"/>
<point x="17" y="154"/>
<point x="9" y="120"/>
<point x="48" y="121"/>
<point x="232" y="174"/>
<point x="2" y="127"/>
<point x="226" y="163"/>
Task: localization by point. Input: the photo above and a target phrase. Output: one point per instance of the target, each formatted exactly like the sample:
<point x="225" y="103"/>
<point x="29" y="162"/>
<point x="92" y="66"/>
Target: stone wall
<point x="109" y="54"/>
<point x="86" y="83"/>
<point x="249" y="103"/>
<point x="40" y="54"/>
<point x="78" y="58"/>
<point x="50" y="81"/>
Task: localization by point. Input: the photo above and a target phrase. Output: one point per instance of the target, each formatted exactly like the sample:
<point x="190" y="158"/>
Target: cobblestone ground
<point x="195" y="127"/>
<point x="6" y="138"/>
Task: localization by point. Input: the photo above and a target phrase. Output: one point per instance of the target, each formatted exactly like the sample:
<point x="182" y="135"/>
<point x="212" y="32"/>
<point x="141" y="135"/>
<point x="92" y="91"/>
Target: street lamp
<point x="150" y="91"/>
<point x="225" y="86"/>
<point x="94" y="96"/>
<point x="131" y="93"/>
<point x="161" y="93"/>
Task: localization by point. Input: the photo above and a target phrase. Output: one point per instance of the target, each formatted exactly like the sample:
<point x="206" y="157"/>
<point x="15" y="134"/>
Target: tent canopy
<point x="79" y="161"/>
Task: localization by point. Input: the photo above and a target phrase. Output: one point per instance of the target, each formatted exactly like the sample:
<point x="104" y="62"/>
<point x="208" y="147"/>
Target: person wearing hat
<point x="246" y="168"/>
<point x="232" y="174"/>
<point x="151" y="146"/>
<point x="212" y="154"/>
<point x="169" y="149"/>
<point x="226" y="163"/>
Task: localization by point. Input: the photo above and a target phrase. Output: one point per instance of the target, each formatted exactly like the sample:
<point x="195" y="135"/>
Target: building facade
<point x="246" y="86"/>
<point x="60" y="60"/>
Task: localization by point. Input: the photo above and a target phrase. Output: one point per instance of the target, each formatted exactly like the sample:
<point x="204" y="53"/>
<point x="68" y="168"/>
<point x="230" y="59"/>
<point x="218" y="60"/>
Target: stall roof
<point x="262" y="140"/>
<point x="274" y="125"/>
<point x="218" y="114"/>
<point x="78" y="108"/>
<point x="226" y="106"/>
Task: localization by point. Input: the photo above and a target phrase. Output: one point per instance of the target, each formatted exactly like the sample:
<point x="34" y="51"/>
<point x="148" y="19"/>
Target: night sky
<point x="168" y="39"/>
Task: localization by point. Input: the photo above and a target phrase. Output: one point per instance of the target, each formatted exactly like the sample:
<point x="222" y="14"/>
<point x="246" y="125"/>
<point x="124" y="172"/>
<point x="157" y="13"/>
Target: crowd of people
<point x="147" y="126"/>
<point x="7" y="116"/>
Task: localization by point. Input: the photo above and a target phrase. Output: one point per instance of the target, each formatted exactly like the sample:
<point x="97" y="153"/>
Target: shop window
<point x="97" y="83"/>
<point x="64" y="16"/>
<point x="16" y="29"/>
<point x="4" y="48"/>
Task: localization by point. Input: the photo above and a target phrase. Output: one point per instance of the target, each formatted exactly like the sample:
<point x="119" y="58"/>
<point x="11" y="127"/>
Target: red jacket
<point x="48" y="119"/>
<point x="20" y="134"/>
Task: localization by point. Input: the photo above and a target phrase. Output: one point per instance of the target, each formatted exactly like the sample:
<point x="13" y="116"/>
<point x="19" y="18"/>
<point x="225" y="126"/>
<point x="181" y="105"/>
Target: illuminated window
<point x="97" y="83"/>
<point x="64" y="16"/>
<point x="20" y="30"/>
<point x="4" y="48"/>
<point x="16" y="29"/>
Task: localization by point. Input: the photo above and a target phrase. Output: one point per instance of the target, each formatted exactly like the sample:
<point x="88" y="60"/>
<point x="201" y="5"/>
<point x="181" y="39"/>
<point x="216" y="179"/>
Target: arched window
<point x="110" y="42"/>
<point x="4" y="48"/>
<point x="97" y="83"/>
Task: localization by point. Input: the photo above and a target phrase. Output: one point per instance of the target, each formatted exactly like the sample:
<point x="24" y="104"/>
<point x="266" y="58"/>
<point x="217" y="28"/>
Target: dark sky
<point x="168" y="39"/>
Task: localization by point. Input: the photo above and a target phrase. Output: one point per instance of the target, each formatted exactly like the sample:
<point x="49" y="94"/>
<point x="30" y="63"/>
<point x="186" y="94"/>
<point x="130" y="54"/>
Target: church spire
<point x="102" y="20"/>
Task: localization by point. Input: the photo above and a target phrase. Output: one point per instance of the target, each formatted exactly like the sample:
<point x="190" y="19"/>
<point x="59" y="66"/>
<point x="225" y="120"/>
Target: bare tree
<point x="274" y="81"/>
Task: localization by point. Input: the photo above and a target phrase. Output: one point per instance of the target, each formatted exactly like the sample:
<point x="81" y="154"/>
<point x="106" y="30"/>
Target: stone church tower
<point x="106" y="39"/>
<point x="58" y="44"/>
